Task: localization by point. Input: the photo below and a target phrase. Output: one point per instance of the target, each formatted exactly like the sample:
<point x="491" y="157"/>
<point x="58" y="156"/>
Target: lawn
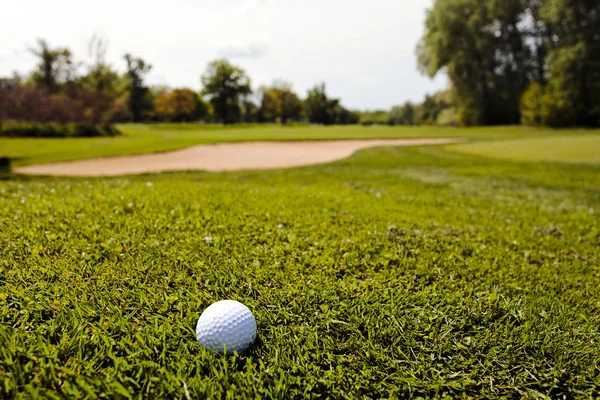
<point x="583" y="148"/>
<point x="398" y="272"/>
<point x="151" y="138"/>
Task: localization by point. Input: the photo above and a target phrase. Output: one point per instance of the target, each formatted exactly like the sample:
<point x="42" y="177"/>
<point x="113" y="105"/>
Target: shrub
<point x="31" y="104"/>
<point x="53" y="130"/>
<point x="4" y="164"/>
<point x="448" y="117"/>
<point x="531" y="105"/>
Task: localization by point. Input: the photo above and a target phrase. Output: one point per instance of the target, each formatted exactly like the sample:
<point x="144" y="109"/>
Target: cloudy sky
<point x="363" y="50"/>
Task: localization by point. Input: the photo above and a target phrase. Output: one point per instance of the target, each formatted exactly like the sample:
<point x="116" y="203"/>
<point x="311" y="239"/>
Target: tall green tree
<point x="55" y="66"/>
<point x="100" y="76"/>
<point x="380" y="117"/>
<point x="250" y="111"/>
<point x="343" y="116"/>
<point x="409" y="113"/>
<point x="573" y="93"/>
<point x="531" y="105"/>
<point x="402" y="115"/>
<point x="225" y="85"/>
<point x="489" y="50"/>
<point x="139" y="101"/>
<point x="319" y="108"/>
<point x="280" y="103"/>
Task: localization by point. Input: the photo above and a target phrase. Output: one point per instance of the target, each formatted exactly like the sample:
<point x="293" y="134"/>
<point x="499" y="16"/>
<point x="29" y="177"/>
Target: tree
<point x="250" y="111"/>
<point x="344" y="116"/>
<point x="402" y="115"/>
<point x="279" y="102"/>
<point x="573" y="93"/>
<point x="269" y="105"/>
<point x="396" y="116"/>
<point x="138" y="93"/>
<point x="101" y="80"/>
<point x="322" y="110"/>
<point x="531" y="105"/>
<point x="100" y="76"/>
<point x="408" y="114"/>
<point x="55" y="67"/>
<point x="319" y="108"/>
<point x="491" y="51"/>
<point x="180" y="105"/>
<point x="225" y="85"/>
<point x="380" y="117"/>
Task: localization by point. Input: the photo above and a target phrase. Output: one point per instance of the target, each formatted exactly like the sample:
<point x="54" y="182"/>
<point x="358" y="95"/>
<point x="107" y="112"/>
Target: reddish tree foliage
<point x="71" y="104"/>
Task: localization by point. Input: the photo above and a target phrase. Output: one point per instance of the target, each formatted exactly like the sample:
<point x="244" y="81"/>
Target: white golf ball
<point x="226" y="325"/>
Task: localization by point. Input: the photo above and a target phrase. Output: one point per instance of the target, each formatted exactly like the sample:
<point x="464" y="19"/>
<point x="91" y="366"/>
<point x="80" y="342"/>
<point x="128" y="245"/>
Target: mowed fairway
<point x="138" y="138"/>
<point x="397" y="272"/>
<point x="583" y="148"/>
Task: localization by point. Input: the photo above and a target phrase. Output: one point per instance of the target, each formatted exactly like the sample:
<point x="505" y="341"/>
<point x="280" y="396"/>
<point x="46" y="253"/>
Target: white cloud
<point x="363" y="50"/>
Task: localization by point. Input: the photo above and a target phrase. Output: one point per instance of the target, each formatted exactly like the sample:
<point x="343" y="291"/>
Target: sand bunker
<point x="223" y="157"/>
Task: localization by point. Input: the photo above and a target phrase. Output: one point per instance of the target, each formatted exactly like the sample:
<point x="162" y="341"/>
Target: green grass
<point x="163" y="137"/>
<point x="571" y="149"/>
<point x="398" y="272"/>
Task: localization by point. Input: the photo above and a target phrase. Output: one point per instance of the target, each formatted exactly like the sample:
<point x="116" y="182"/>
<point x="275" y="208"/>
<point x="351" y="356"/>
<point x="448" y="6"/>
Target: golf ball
<point x="226" y="325"/>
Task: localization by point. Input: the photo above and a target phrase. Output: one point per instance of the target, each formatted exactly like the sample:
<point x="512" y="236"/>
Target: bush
<point x="4" y="164"/>
<point x="531" y="105"/>
<point x="448" y="117"/>
<point x="70" y="105"/>
<point x="52" y="130"/>
<point x="377" y="117"/>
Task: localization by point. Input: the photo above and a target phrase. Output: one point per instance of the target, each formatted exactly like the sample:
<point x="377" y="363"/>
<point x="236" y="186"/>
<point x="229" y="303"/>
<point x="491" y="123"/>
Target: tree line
<point x="63" y="90"/>
<point x="510" y="61"/>
<point x="437" y="109"/>
<point x="535" y="62"/>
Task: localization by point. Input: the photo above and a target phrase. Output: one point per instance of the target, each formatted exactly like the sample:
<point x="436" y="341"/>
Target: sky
<point x="363" y="50"/>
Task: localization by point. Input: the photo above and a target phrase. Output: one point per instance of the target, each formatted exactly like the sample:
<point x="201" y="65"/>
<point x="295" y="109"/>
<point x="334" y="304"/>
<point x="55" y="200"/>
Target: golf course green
<point x="398" y="272"/>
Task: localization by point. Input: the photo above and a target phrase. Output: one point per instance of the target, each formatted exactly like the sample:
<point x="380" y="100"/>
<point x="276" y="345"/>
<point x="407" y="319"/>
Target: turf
<point x="162" y="137"/>
<point x="571" y="149"/>
<point x="400" y="272"/>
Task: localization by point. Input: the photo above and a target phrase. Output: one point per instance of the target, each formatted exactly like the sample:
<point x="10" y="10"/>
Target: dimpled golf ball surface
<point x="226" y="325"/>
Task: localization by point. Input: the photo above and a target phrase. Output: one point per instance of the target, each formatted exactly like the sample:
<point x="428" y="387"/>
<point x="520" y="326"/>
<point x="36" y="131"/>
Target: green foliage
<point x="250" y="111"/>
<point x="280" y="104"/>
<point x="490" y="51"/>
<point x="564" y="102"/>
<point x="398" y="273"/>
<point x="344" y="116"/>
<point x="180" y="105"/>
<point x="432" y="107"/>
<point x="55" y="68"/>
<point x="402" y="115"/>
<point x="375" y="117"/>
<point x="225" y="85"/>
<point x="55" y="92"/>
<point x="573" y="96"/>
<point x="531" y="105"/>
<point x="139" y="100"/>
<point x="494" y="50"/>
<point x="103" y="79"/>
<point x="53" y="130"/>
<point x="320" y="109"/>
<point x="448" y="117"/>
